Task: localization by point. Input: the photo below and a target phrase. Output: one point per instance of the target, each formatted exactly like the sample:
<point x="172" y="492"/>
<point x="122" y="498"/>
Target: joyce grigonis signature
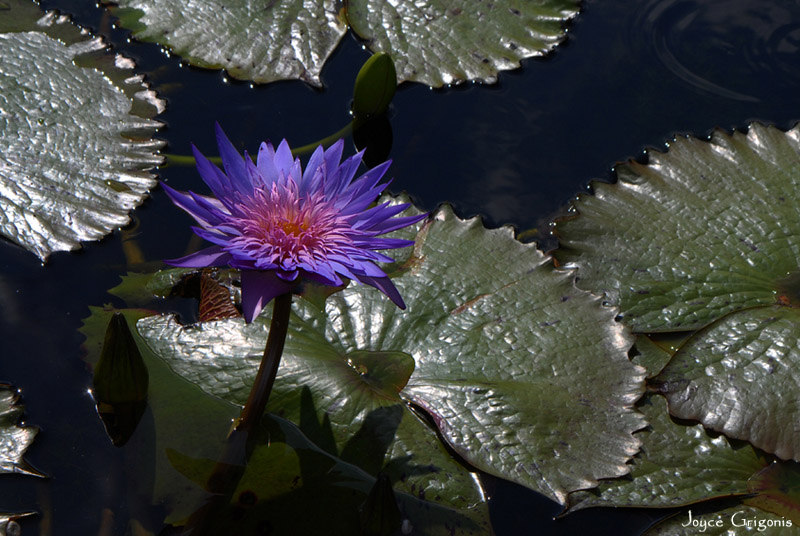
<point x="737" y="519"/>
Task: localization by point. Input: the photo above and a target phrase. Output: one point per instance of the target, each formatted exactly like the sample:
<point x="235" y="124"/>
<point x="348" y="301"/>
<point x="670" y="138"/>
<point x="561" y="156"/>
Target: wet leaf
<point x="435" y="43"/>
<point x="740" y="376"/>
<point x="14" y="438"/>
<point x="525" y="376"/>
<point x="650" y="355"/>
<point x="449" y="42"/>
<point x="707" y="228"/>
<point x="75" y="124"/>
<point x="280" y="40"/>
<point x="678" y="464"/>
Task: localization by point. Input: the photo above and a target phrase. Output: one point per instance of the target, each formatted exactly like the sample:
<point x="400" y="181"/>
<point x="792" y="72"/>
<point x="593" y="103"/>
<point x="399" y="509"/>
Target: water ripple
<point x="737" y="49"/>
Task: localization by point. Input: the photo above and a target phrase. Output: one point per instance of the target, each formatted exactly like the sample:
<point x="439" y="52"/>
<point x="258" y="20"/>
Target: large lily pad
<point x="448" y="42"/>
<point x="285" y="39"/>
<point x="678" y="465"/>
<point x="525" y="376"/>
<point x="435" y="43"/>
<point x="707" y="228"/>
<point x="285" y="473"/>
<point x="741" y="376"/>
<point x="74" y="133"/>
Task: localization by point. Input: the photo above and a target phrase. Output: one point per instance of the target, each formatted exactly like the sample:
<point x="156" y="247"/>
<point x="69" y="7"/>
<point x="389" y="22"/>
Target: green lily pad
<point x="449" y="42"/>
<point x="287" y="473"/>
<point x="706" y="228"/>
<point x="14" y="438"/>
<point x="75" y="124"/>
<point x="251" y="40"/>
<point x="778" y="490"/>
<point x="525" y="376"/>
<point x="650" y="355"/>
<point x="730" y="521"/>
<point x="678" y="465"/>
<point x="435" y="43"/>
<point x="740" y="376"/>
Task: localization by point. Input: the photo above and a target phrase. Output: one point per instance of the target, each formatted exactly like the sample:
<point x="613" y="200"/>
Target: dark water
<point x="632" y="75"/>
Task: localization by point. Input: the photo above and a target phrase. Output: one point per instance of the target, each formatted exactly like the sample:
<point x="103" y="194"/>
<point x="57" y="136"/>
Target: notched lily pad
<point x="678" y="465"/>
<point x="435" y="43"/>
<point x="14" y="438"/>
<point x="707" y="228"/>
<point x="526" y="377"/>
<point x="444" y="42"/>
<point x="252" y="40"/>
<point x="740" y="376"/>
<point x="75" y="127"/>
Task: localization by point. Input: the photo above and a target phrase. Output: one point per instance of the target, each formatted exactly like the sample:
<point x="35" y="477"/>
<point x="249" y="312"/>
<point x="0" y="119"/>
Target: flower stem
<point x="262" y="387"/>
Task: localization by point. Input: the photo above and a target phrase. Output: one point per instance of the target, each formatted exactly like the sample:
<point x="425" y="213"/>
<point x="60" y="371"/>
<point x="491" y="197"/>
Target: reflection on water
<point x="688" y="37"/>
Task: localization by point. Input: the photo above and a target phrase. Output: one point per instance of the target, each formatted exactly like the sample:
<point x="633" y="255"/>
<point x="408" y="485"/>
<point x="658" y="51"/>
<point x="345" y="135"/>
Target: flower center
<point x="280" y="227"/>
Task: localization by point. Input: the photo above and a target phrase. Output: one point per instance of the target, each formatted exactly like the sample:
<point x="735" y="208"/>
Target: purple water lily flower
<point x="278" y="223"/>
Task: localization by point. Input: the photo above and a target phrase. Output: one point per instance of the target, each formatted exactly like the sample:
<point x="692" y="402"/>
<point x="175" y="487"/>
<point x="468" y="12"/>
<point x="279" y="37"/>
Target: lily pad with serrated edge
<point x="525" y="376"/>
<point x="678" y="464"/>
<point x="741" y="376"/>
<point x="449" y="42"/>
<point x="75" y="127"/>
<point x="706" y="228"/>
<point x="14" y="438"/>
<point x="435" y="43"/>
<point x="191" y="427"/>
<point x="282" y="40"/>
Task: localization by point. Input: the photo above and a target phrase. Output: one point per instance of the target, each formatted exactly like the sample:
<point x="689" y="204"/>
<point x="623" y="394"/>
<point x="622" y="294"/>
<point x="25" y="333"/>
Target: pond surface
<point x="632" y="74"/>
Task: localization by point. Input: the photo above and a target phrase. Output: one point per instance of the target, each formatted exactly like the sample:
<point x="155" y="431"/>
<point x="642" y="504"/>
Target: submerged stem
<point x="262" y="387"/>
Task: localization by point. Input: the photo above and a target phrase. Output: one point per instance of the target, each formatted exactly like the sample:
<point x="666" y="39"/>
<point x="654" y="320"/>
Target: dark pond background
<point x="632" y="75"/>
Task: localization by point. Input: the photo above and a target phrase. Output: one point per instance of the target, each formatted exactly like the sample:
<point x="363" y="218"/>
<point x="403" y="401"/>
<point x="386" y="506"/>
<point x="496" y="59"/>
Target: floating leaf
<point x="434" y="43"/>
<point x="287" y="472"/>
<point x="525" y="376"/>
<point x="740" y="376"/>
<point x="678" y="465"/>
<point x="650" y="355"/>
<point x="707" y="228"/>
<point x="449" y="42"/>
<point x="778" y="490"/>
<point x="14" y="439"/>
<point x="279" y="40"/>
<point x="74" y="129"/>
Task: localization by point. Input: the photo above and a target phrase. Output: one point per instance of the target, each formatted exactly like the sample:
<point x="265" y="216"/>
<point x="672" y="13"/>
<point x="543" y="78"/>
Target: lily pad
<point x="678" y="465"/>
<point x="740" y="376"/>
<point x="14" y="438"/>
<point x="444" y="42"/>
<point x="525" y="376"/>
<point x="707" y="228"/>
<point x="75" y="124"/>
<point x="778" y="490"/>
<point x="435" y="43"/>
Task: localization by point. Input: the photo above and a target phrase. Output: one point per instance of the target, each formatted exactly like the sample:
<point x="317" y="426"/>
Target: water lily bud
<point x="375" y="86"/>
<point x="120" y="375"/>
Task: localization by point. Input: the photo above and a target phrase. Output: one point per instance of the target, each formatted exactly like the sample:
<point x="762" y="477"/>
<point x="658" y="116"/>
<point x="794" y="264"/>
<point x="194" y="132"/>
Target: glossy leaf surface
<point x="740" y="376"/>
<point x="706" y="228"/>
<point x="525" y="376"/>
<point x="75" y="124"/>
